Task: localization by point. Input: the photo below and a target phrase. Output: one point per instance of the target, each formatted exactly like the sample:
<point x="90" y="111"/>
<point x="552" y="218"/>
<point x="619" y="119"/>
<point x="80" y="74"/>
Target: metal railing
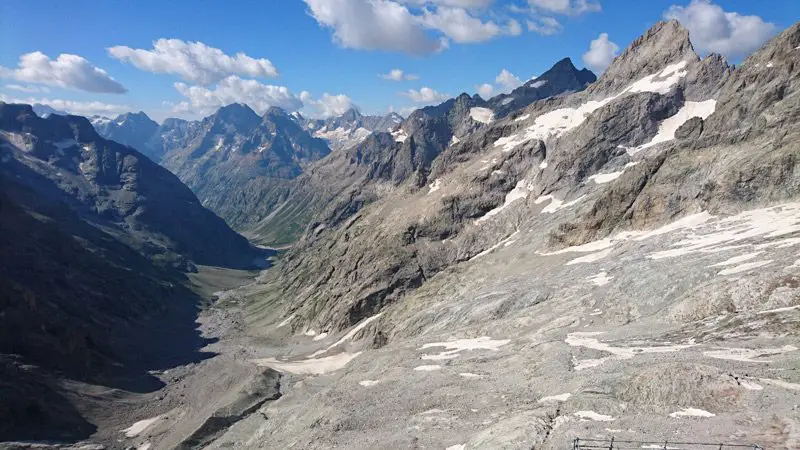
<point x="613" y="444"/>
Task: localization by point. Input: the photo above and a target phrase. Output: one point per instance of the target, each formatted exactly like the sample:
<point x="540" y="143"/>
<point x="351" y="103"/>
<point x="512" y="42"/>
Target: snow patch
<point x="399" y="135"/>
<point x="457" y="447"/>
<point x="507" y="101"/>
<point x="782" y="384"/>
<point x="433" y="187"/>
<point x="555" y="398"/>
<point x="600" y="279"/>
<point x="748" y="354"/>
<point x="602" y="178"/>
<point x="468" y="375"/>
<point x="744" y="267"/>
<point x="483" y="115"/>
<point x="138" y="427"/>
<point x="355" y="330"/>
<point x="559" y="121"/>
<point x="543" y="164"/>
<point x="459" y="345"/>
<point x="519" y="192"/>
<point x="522" y="117"/>
<point x="779" y="310"/>
<point x="771" y="222"/>
<point x="321" y="336"/>
<point x="538" y="84"/>
<point x="555" y="204"/>
<point x="311" y="366"/>
<point x="368" y="383"/>
<point x="429" y="368"/>
<point x="286" y="321"/>
<point x="590" y="258"/>
<point x="691" y="412"/>
<point x="454" y="140"/>
<point x="591" y="415"/>
<point x="737" y="259"/>
<point x="667" y="128"/>
<point x="587" y="340"/>
<point x="750" y="386"/>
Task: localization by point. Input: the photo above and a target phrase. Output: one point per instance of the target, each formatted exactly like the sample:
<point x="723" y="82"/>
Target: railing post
<point x="612" y="444"/>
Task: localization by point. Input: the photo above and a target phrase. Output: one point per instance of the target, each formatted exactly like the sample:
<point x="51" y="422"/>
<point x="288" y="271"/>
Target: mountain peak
<point x="351" y="114"/>
<point x="275" y="111"/>
<point x="565" y="68"/>
<point x="666" y="42"/>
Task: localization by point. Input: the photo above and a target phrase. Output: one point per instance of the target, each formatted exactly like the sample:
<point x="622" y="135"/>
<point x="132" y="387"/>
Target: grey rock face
<point x="62" y="157"/>
<point x="131" y="129"/>
<point x="563" y="77"/>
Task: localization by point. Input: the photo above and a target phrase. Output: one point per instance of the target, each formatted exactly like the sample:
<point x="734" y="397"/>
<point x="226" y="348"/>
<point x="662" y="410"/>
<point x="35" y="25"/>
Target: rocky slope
<point x="619" y="261"/>
<point x="95" y="240"/>
<point x="115" y="188"/>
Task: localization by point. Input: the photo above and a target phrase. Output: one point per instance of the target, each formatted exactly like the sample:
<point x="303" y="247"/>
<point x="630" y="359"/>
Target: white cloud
<point x="398" y="75"/>
<point x="328" y="105"/>
<point x="67" y="71"/>
<point x="469" y="4"/>
<point x="504" y="83"/>
<point x="203" y="100"/>
<point x="514" y="28"/>
<point x="425" y="96"/>
<point x="565" y="7"/>
<point x="460" y="26"/>
<point x="712" y="29"/>
<point x="507" y="80"/>
<point x="544" y="25"/>
<point x="486" y="90"/>
<point x="193" y="61"/>
<point x="30" y="89"/>
<point x="601" y="53"/>
<point x="77" y="108"/>
<point x="374" y="25"/>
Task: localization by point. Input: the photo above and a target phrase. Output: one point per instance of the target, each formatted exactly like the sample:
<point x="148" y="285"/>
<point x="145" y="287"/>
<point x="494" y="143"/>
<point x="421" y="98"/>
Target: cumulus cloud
<point x="507" y="80"/>
<point x="425" y="96"/>
<point x="504" y="83"/>
<point x="398" y="75"/>
<point x="544" y="25"/>
<point x="565" y="7"/>
<point x="78" y="108"/>
<point x="193" y="61"/>
<point x="67" y="71"/>
<point x="204" y="100"/>
<point x="374" y="25"/>
<point x="485" y="90"/>
<point x="407" y="25"/>
<point x="458" y="25"/>
<point x="328" y="105"/>
<point x="601" y="53"/>
<point x="469" y="4"/>
<point x="712" y="29"/>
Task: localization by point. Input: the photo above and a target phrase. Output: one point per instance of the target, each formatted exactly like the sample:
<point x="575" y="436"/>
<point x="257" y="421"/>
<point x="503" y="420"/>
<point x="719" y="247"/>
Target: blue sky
<point x="334" y="47"/>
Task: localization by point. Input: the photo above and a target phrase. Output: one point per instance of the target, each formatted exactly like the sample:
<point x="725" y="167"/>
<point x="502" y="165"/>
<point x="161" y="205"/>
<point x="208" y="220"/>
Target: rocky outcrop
<point x="619" y="154"/>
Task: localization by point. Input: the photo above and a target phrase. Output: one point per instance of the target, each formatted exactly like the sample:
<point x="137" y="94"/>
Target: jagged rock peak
<point x="564" y="70"/>
<point x="351" y="115"/>
<point x="275" y="111"/>
<point x="663" y="44"/>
